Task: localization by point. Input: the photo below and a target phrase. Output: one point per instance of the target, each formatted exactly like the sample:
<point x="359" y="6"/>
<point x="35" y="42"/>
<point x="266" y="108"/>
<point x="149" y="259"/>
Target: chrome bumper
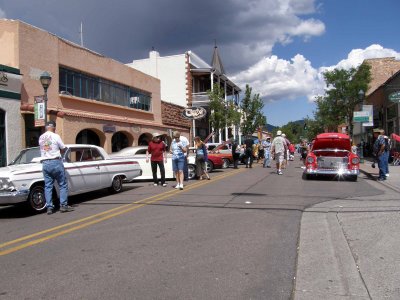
<point x="13" y="197"/>
<point x="332" y="172"/>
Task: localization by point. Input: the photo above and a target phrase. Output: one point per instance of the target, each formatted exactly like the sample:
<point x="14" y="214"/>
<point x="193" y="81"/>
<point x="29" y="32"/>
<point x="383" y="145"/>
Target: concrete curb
<point x="370" y="176"/>
<point x="326" y="267"/>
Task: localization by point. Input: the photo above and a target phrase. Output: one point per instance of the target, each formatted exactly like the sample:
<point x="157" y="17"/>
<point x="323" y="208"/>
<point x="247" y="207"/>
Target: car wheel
<point x="192" y="172"/>
<point x="36" y="198"/>
<point x="226" y="163"/>
<point x="116" y="185"/>
<point x="209" y="166"/>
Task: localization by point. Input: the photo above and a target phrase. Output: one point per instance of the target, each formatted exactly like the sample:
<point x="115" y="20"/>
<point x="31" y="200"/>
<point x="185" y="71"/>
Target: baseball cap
<point x="156" y="134"/>
<point x="51" y="124"/>
<point x="378" y="130"/>
<point x="279" y="132"/>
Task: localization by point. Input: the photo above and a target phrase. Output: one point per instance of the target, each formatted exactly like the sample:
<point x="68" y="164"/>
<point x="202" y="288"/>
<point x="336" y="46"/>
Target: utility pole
<point x="81" y="33"/>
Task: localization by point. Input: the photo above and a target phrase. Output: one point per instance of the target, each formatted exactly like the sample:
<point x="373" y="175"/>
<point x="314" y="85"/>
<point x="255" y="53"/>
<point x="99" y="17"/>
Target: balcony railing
<point x="200" y="99"/>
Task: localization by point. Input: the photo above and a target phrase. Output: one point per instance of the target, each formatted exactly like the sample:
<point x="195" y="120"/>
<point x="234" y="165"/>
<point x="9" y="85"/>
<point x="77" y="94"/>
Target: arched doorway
<point x="3" y="148"/>
<point x="119" y="141"/>
<point x="88" y="136"/>
<point x="144" y="139"/>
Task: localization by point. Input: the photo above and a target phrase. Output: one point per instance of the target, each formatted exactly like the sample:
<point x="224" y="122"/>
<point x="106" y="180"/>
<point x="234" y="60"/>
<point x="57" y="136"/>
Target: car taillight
<point x="310" y="159"/>
<point x="355" y="160"/>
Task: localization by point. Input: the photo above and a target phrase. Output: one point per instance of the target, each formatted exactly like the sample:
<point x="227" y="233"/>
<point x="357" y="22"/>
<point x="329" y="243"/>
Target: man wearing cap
<point x="380" y="152"/>
<point x="278" y="150"/>
<point x="157" y="149"/>
<point x="53" y="168"/>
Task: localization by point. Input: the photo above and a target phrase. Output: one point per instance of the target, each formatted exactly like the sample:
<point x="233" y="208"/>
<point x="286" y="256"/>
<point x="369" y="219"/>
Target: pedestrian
<point x="286" y="156"/>
<point x="201" y="159"/>
<point x="380" y="153"/>
<point x="51" y="145"/>
<point x="291" y="152"/>
<point x="278" y="150"/>
<point x="157" y="150"/>
<point x="178" y="150"/>
<point x="303" y="152"/>
<point x="254" y="151"/>
<point x="185" y="141"/>
<point x="267" y="153"/>
<point x="236" y="151"/>
<point x="260" y="152"/>
<point x="249" y="152"/>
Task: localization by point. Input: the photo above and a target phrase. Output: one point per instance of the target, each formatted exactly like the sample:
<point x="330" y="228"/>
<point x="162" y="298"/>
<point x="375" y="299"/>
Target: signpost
<point x="361" y="116"/>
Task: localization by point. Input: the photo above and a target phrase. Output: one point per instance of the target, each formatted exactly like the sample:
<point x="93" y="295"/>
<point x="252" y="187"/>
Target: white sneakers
<point x="179" y="186"/>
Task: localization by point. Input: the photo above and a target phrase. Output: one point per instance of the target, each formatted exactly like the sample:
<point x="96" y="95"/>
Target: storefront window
<point x="89" y="87"/>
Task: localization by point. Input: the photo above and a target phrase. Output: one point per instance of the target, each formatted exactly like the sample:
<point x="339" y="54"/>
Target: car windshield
<point x="26" y="156"/>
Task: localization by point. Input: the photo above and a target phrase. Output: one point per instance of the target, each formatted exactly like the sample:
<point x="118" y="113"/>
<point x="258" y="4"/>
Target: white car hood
<point x="20" y="169"/>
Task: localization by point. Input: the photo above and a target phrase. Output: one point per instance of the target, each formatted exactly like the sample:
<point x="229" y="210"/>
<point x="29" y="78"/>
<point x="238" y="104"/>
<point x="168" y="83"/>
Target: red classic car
<point x="331" y="155"/>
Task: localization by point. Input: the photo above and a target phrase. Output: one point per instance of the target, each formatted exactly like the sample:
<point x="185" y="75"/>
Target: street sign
<point x="395" y="97"/>
<point x="361" y="116"/>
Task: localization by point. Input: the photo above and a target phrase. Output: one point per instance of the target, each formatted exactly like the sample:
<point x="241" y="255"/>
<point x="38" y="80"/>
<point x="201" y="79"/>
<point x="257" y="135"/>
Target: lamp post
<point x="361" y="98"/>
<point x="45" y="80"/>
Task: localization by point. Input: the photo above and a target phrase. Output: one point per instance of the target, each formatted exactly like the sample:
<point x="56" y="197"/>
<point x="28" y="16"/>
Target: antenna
<point x="81" y="33"/>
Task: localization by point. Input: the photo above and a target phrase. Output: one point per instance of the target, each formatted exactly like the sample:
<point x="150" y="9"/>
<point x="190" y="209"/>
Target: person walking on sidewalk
<point x="157" y="149"/>
<point x="278" y="150"/>
<point x="380" y="153"/>
<point x="50" y="145"/>
<point x="249" y="152"/>
<point x="236" y="150"/>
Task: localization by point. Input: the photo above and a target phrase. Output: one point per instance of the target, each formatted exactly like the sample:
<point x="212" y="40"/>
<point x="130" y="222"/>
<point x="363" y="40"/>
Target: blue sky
<point x="279" y="47"/>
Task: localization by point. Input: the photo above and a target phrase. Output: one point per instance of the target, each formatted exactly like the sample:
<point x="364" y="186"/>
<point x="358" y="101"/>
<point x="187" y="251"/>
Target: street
<point x="233" y="237"/>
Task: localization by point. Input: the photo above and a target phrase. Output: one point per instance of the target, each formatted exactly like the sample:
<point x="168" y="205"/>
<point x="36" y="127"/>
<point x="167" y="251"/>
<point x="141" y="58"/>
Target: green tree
<point x="251" y="108"/>
<point x="223" y="113"/>
<point x="342" y="98"/>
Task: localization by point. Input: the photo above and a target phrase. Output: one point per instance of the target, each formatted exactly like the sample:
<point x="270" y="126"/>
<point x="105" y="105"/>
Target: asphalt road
<point x="233" y="237"/>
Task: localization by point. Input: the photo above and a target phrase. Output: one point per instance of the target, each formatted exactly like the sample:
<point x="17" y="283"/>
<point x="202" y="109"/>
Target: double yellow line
<point x="51" y="233"/>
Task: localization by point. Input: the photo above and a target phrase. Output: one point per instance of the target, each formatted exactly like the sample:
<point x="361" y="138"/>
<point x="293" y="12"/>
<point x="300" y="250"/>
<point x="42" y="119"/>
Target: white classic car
<point x="87" y="167"/>
<point x="138" y="153"/>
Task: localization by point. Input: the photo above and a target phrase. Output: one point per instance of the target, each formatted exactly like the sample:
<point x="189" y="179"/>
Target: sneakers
<point x="181" y="187"/>
<point x="164" y="184"/>
<point x="50" y="211"/>
<point x="155" y="184"/>
<point x="177" y="186"/>
<point x="280" y="172"/>
<point x="387" y="175"/>
<point x="66" y="208"/>
<point x="381" y="179"/>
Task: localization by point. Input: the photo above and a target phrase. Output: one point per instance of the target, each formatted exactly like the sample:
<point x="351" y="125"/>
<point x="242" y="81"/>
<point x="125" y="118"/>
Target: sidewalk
<point x="349" y="249"/>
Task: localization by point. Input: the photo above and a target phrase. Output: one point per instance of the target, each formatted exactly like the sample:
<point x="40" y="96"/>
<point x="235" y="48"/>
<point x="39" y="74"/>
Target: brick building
<point x="93" y="99"/>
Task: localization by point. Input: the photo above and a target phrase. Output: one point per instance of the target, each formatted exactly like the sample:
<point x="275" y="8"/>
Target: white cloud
<point x="277" y="79"/>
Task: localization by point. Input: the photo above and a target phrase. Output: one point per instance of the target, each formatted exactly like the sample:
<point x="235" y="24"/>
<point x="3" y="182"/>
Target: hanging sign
<point x="39" y="107"/>
<point x="194" y="113"/>
<point x="361" y="116"/>
<point x="395" y="97"/>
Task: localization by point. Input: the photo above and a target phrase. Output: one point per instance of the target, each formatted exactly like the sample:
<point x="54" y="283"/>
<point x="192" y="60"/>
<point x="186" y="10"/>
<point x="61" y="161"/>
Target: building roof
<point x="381" y="70"/>
<point x="217" y="62"/>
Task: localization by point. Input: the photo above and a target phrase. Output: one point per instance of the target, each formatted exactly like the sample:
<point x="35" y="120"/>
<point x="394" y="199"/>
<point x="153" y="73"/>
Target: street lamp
<point x="361" y="95"/>
<point x="45" y="80"/>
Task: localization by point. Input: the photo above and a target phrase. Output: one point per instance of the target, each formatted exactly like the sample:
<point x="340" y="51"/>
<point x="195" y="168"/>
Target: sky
<point x="279" y="47"/>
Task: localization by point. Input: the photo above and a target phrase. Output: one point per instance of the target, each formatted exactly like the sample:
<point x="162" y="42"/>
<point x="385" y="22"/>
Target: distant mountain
<point x="270" y="127"/>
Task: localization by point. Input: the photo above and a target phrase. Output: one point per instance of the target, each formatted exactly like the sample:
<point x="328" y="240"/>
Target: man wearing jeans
<point x="53" y="168"/>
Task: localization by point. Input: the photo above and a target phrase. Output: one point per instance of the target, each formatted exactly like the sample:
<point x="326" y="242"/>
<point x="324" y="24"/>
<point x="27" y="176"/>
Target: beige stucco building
<point x="93" y="99"/>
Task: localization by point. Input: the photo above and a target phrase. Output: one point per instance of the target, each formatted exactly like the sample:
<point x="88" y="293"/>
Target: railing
<point x="200" y="99"/>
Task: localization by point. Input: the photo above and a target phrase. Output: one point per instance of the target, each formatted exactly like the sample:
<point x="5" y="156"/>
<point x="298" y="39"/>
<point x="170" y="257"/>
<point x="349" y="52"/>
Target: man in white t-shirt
<point x="53" y="168"/>
<point x="278" y="150"/>
<point x="185" y="143"/>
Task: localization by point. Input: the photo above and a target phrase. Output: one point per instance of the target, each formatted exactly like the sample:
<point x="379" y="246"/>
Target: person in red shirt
<point x="157" y="149"/>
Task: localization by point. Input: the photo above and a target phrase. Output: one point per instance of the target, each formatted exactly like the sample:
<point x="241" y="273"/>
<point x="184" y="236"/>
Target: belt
<point x="50" y="159"/>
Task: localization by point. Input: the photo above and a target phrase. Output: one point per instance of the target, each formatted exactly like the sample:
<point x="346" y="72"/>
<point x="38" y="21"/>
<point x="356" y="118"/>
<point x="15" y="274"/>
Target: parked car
<point x="138" y="153"/>
<point x="224" y="151"/>
<point x="214" y="162"/>
<point x="331" y="155"/>
<point x="87" y="167"/>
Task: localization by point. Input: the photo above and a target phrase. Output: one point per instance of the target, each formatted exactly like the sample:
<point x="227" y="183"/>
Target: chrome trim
<point x="332" y="172"/>
<point x="13" y="197"/>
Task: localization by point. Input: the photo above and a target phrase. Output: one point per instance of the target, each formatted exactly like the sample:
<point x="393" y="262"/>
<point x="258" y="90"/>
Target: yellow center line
<point x="106" y="215"/>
